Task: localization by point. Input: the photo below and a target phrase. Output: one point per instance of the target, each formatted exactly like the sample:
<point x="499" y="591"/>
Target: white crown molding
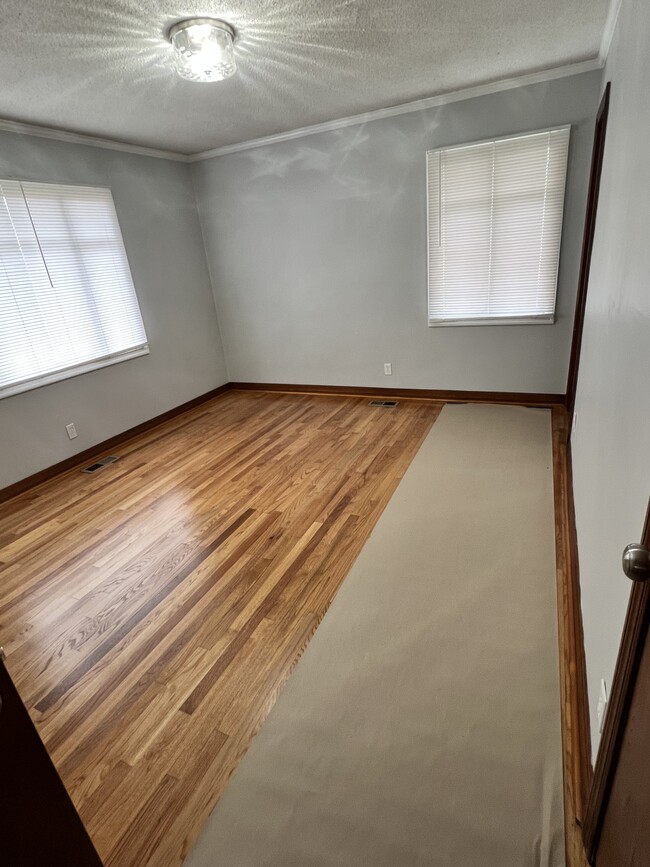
<point x="92" y="141"/>
<point x="328" y="126"/>
<point x="407" y="107"/>
<point x="608" y="32"/>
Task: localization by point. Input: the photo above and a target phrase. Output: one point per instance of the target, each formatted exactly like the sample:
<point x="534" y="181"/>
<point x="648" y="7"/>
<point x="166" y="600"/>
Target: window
<point x="67" y="302"/>
<point x="494" y="229"/>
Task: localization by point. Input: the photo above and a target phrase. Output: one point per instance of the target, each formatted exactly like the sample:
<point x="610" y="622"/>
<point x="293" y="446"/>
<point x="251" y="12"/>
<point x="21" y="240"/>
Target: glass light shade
<point x="203" y="49"/>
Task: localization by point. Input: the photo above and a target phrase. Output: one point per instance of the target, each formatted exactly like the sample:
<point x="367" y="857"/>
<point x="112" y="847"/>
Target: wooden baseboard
<point x="576" y="737"/>
<point x="580" y="700"/>
<point x="441" y="395"/>
<point x="105" y="446"/>
<point x="444" y="395"/>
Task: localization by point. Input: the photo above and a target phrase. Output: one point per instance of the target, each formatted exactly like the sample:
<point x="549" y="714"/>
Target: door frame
<point x="597" y="156"/>
<point x="630" y="651"/>
<point x="578" y="728"/>
<point x="597" y="787"/>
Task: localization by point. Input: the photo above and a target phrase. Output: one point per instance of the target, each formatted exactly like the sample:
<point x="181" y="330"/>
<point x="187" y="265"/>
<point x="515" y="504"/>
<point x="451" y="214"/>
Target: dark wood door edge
<point x="627" y="665"/>
<point x="576" y="742"/>
<point x="587" y="247"/>
<point x="106" y="445"/>
<point x="38" y="822"/>
<point x="444" y="395"/>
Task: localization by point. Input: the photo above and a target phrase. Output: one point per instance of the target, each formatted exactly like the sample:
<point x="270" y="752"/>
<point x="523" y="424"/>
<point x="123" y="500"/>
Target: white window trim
<point x="85" y="367"/>
<point x="71" y="372"/>
<point x="486" y="320"/>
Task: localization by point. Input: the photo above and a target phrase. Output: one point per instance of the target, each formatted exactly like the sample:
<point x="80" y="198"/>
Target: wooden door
<point x="617" y="823"/>
<point x="38" y="822"/>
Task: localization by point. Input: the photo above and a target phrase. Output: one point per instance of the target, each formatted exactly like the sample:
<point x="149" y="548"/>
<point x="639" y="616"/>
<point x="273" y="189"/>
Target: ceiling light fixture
<point x="203" y="49"/>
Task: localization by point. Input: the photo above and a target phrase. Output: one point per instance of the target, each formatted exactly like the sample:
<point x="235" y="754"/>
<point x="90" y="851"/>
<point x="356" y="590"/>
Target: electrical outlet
<point x="602" y="705"/>
<point x="72" y="431"/>
<point x="388" y="368"/>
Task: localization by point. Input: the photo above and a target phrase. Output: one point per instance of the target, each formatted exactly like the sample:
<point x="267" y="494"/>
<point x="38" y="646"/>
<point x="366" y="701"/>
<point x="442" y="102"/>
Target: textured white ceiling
<point x="104" y="68"/>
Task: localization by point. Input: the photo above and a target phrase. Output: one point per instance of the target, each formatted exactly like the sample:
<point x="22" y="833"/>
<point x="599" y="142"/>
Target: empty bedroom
<point x="324" y="422"/>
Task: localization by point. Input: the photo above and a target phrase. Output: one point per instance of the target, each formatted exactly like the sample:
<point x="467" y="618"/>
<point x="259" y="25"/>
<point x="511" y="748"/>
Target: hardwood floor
<point x="151" y="613"/>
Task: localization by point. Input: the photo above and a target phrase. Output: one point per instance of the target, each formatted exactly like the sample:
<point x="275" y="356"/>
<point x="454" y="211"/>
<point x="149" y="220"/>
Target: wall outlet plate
<point x="602" y="706"/>
<point x="72" y="431"/>
<point x="388" y="368"/>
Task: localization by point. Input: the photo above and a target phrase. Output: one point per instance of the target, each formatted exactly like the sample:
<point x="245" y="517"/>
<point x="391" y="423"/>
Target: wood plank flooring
<point x="151" y="613"/>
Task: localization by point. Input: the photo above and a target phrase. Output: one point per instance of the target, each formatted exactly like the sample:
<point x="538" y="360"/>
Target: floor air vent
<point x="383" y="403"/>
<point x="99" y="464"/>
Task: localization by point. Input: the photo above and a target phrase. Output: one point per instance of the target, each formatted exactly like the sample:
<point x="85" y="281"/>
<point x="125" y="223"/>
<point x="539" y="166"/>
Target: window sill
<point x="70" y="372"/>
<point x="456" y="323"/>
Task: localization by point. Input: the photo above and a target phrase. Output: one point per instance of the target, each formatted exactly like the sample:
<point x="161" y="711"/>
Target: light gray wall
<point x="611" y="458"/>
<point x="156" y="208"/>
<point x="317" y="249"/>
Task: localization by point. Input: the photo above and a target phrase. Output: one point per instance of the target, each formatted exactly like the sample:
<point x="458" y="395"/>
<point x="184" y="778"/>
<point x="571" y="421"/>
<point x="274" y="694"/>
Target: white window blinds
<point x="67" y="302"/>
<point x="494" y="229"/>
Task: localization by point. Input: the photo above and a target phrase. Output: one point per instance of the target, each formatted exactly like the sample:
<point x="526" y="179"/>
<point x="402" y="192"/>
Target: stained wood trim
<point x="580" y="722"/>
<point x="111" y="443"/>
<point x="627" y="665"/>
<point x="576" y="741"/>
<point x="443" y="395"/>
<point x="597" y="155"/>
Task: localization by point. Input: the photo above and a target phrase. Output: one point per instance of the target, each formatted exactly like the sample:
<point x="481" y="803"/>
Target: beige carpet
<point x="422" y="726"/>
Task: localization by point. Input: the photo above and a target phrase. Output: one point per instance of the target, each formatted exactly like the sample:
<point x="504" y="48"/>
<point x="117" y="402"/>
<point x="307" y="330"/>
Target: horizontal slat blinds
<point x="67" y="301"/>
<point x="494" y="229"/>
